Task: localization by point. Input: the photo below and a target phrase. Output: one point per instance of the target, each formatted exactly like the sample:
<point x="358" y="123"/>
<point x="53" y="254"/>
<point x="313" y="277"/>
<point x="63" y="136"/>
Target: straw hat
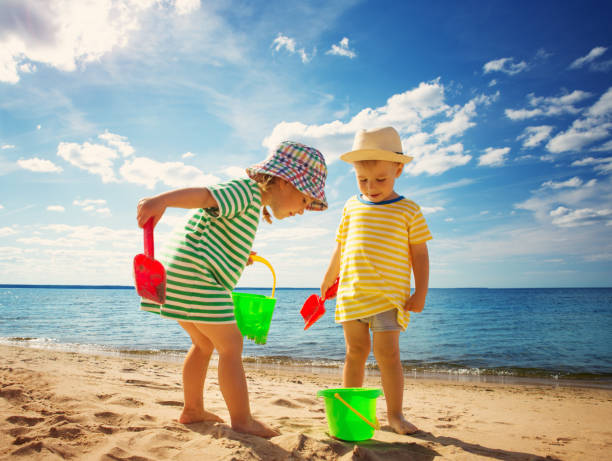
<point x="379" y="144"/>
<point x="300" y="165"/>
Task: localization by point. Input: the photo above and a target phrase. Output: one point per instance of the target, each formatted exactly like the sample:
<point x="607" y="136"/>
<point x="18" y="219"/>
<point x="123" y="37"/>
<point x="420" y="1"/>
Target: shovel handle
<point x="148" y="239"/>
<point x="375" y="426"/>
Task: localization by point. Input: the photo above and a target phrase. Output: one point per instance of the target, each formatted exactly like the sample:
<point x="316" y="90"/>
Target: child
<point x="209" y="257"/>
<point x="381" y="236"/>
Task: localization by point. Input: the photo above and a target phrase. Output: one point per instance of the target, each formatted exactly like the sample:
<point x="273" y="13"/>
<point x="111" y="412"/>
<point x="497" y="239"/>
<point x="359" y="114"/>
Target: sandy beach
<point x="63" y="405"/>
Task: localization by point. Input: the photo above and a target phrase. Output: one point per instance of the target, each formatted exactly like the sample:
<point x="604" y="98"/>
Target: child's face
<point x="376" y="179"/>
<point x="288" y="201"/>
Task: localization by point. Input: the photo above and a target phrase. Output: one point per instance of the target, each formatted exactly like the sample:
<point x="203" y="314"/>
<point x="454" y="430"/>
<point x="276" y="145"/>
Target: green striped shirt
<point x="207" y="257"/>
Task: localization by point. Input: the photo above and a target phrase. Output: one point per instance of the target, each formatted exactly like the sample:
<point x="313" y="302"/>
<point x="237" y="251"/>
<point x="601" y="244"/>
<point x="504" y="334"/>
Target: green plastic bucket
<point x="351" y="412"/>
<point x="254" y="312"/>
<point x="253" y="315"/>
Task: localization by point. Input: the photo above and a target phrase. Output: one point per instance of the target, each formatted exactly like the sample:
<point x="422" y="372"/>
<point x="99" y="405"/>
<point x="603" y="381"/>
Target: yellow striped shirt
<point x="375" y="261"/>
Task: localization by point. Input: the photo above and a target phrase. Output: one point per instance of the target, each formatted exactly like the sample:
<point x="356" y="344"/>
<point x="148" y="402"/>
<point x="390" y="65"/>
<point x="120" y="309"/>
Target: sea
<point x="561" y="336"/>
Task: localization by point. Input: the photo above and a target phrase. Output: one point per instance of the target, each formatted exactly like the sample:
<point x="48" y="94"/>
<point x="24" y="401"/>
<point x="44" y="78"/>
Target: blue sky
<point x="506" y="107"/>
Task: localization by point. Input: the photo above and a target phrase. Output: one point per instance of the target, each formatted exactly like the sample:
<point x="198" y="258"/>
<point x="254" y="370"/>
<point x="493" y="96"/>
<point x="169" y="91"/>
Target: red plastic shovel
<point x="313" y="309"/>
<point x="149" y="274"/>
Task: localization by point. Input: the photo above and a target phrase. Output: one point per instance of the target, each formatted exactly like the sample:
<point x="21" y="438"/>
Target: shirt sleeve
<point x="418" y="230"/>
<point x="232" y="198"/>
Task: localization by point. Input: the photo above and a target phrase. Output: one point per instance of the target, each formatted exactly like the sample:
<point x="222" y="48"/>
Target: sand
<point x="62" y="405"/>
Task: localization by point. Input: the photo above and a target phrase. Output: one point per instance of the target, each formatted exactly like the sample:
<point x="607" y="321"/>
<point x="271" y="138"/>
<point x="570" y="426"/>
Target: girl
<point x="209" y="257"/>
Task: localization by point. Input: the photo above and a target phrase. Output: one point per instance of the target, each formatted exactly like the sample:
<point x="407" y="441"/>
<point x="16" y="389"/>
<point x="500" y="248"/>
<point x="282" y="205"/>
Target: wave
<point x="412" y="369"/>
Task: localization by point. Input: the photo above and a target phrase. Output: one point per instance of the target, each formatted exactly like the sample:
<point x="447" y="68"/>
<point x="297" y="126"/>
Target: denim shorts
<point x="385" y="321"/>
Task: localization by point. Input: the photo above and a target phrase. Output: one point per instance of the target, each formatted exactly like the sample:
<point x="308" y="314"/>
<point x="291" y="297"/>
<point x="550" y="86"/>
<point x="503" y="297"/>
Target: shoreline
<point x="323" y="366"/>
<point x="59" y="404"/>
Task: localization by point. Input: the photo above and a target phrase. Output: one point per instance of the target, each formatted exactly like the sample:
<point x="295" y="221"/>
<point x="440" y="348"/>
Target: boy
<point x="381" y="238"/>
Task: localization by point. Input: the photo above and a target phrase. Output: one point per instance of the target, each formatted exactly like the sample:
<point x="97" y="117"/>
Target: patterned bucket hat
<point x="302" y="166"/>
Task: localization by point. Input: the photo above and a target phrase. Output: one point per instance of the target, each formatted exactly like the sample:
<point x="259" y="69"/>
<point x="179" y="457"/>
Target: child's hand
<point x="150" y="207"/>
<point x="250" y="260"/>
<point x="416" y="302"/>
<point x="325" y="286"/>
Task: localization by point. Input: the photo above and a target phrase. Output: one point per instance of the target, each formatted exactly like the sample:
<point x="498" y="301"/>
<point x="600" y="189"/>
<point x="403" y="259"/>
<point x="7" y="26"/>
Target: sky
<point x="506" y="108"/>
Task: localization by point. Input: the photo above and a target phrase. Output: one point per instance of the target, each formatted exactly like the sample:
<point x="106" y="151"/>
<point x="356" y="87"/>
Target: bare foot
<point x="255" y="427"/>
<point x="401" y="426"/>
<point x="198" y="416"/>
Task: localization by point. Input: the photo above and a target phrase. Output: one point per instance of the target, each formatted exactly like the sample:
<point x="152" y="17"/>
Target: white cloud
<point x="505" y="65"/>
<point x="100" y="160"/>
<point x="594" y="126"/>
<point x="89" y="202"/>
<point x="118" y="142"/>
<point x="535" y="135"/>
<point x="97" y="206"/>
<point x="63" y="34"/>
<point x="564" y="217"/>
<point x="6" y="231"/>
<point x="95" y="158"/>
<point x="549" y="106"/>
<point x="186" y="6"/>
<point x="188" y="155"/>
<point x="342" y="49"/>
<point x="65" y="237"/>
<point x="431" y="209"/>
<point x="404" y="111"/>
<point x="407" y="112"/>
<point x="7" y="146"/>
<point x="590" y="57"/>
<point x="148" y="172"/>
<point x="493" y="156"/>
<point x="282" y="41"/>
<point x="602" y="165"/>
<point x="462" y="118"/>
<point x="605" y="147"/>
<point x="435" y="159"/>
<point x="57" y="208"/>
<point x="235" y="172"/>
<point x="39" y="165"/>
<point x="572" y="182"/>
<point x="567" y="203"/>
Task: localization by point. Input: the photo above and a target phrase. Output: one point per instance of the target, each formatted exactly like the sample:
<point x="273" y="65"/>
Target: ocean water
<point x="561" y="334"/>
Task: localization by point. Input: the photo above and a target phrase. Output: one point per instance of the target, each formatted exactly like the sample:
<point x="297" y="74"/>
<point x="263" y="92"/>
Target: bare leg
<point x="357" y="340"/>
<point x="195" y="368"/>
<point x="232" y="381"/>
<point x="386" y="351"/>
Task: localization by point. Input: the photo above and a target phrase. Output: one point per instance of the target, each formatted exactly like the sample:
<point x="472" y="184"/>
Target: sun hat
<point x="378" y="144"/>
<point x="302" y="166"/>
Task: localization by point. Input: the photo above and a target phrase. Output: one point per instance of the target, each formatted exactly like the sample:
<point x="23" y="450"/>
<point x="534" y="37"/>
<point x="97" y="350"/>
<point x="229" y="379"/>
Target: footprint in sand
<point x="109" y="417"/>
<point x="127" y="402"/>
<point x="11" y="393"/>
<point x="68" y="432"/>
<point x="170" y="403"/>
<point x="286" y="403"/>
<point x="24" y="420"/>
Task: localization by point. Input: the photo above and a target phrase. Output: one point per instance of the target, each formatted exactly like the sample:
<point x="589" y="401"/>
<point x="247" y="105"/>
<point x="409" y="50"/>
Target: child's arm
<point x="194" y="197"/>
<point x="332" y="271"/>
<point x="420" y="267"/>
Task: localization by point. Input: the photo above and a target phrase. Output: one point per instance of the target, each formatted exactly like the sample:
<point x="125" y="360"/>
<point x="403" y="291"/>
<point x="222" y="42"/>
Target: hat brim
<point x="375" y="154"/>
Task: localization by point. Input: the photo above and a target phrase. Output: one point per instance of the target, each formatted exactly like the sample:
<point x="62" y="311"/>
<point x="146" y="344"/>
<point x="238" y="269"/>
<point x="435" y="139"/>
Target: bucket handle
<point x="258" y="258"/>
<point x="375" y="426"/>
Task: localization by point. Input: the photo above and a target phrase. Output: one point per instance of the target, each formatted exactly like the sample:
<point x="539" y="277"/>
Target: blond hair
<point x="264" y="181"/>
